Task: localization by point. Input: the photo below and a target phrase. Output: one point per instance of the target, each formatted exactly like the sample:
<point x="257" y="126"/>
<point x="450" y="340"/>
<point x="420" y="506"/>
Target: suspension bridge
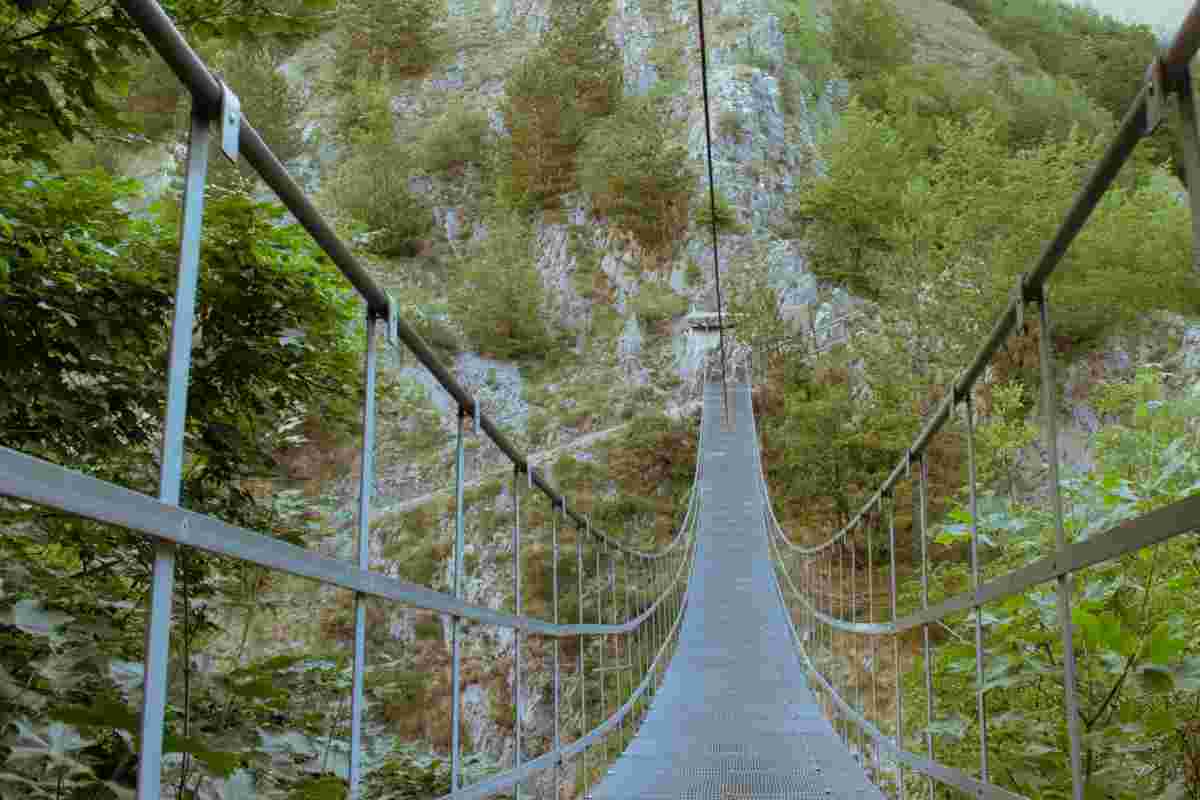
<point x="727" y="664"/>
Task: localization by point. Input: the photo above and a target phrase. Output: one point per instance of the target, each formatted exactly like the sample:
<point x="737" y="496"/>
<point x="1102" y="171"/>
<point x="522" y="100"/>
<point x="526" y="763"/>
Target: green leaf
<point x="1156" y="679"/>
<point x="1162" y="647"/>
<point x="103" y="712"/>
<point x="1162" y="722"/>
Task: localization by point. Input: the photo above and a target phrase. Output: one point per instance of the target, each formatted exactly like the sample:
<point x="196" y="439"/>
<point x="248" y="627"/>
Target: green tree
<point x="371" y="184"/>
<point x="382" y="39"/>
<point x="635" y="170"/>
<point x="88" y="298"/>
<point x="501" y="294"/>
<point x="553" y="98"/>
<point x="846" y="210"/>
<point x="271" y="104"/>
<point x="64" y="66"/>
<point x="458" y="137"/>
<point x="1138" y="668"/>
<point x="868" y="37"/>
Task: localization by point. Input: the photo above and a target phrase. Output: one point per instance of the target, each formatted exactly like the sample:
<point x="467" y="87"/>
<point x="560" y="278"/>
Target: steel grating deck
<point x="734" y="717"/>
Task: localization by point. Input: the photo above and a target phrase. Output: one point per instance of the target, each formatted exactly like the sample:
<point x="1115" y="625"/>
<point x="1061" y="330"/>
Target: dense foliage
<point x="969" y="209"/>
<point x="634" y="167"/>
<point x="937" y="190"/>
<point x="88" y="293"/>
<point x="570" y="81"/>
<point x="383" y="39"/>
<point x="501" y="295"/>
<point x="64" y="67"/>
<point x="1139" y="670"/>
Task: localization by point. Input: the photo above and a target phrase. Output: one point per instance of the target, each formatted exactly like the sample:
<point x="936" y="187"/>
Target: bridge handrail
<point x="207" y="92"/>
<point x="1167" y="75"/>
<point x="1139" y="121"/>
<point x="43" y="483"/>
<point x="559" y="756"/>
<point x="32" y="480"/>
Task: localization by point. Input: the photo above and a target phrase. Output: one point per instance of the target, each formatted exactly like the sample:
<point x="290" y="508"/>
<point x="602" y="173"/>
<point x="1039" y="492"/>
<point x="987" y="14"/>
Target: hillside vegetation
<point x="527" y="180"/>
<point x="939" y="188"/>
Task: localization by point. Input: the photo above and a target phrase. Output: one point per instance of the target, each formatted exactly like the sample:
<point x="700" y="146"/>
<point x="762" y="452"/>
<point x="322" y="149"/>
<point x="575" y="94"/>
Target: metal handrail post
<point x="1046" y="356"/>
<point x="874" y="639"/>
<point x="557" y="667"/>
<point x="179" y="360"/>
<point x="365" y="485"/>
<point x="980" y="698"/>
<point x="455" y="622"/>
<point x="603" y="640"/>
<point x="896" y="648"/>
<point x="631" y="646"/>
<point x="517" y="634"/>
<point x="926" y="649"/>
<point x="854" y="639"/>
<point x="612" y="594"/>
<point x="582" y="675"/>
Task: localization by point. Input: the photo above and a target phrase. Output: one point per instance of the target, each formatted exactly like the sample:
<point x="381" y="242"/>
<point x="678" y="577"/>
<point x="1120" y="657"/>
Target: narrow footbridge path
<point x="734" y="717"/>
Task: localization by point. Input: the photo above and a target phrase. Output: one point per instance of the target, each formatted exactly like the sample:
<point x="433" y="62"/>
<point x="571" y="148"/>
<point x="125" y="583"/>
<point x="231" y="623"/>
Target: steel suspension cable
<point x="712" y="206"/>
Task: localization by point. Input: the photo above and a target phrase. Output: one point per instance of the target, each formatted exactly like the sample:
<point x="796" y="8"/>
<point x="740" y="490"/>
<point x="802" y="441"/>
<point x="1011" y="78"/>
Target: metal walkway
<point x="734" y="717"/>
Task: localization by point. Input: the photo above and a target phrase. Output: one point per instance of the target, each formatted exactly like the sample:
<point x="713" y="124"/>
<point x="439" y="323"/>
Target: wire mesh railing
<point x="629" y="601"/>
<point x="832" y="588"/>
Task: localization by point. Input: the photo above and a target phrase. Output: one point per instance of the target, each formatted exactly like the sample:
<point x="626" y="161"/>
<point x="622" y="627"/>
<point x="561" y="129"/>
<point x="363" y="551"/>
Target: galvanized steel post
<point x="612" y="593"/>
<point x="925" y="647"/>
<point x="874" y="639"/>
<point x="603" y="639"/>
<point x="455" y="622"/>
<point x="582" y="677"/>
<point x="653" y="627"/>
<point x="854" y="638"/>
<point x="170" y="476"/>
<point x="365" y="485"/>
<point x="630" y="654"/>
<point x="896" y="648"/>
<point x="980" y="699"/>
<point x="1046" y="356"/>
<point x="517" y="634"/>
<point x="557" y="666"/>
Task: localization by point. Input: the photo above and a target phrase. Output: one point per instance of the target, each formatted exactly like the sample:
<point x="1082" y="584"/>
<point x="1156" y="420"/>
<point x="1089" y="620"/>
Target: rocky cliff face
<point x="759" y="153"/>
<point x="763" y="144"/>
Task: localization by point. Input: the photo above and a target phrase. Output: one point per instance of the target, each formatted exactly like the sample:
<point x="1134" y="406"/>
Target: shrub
<point x="917" y="96"/>
<point x="636" y="173"/>
<point x="656" y="302"/>
<point x="409" y="774"/>
<point x="869" y="37"/>
<point x="731" y="124"/>
<point x="372" y="187"/>
<point x="428" y="630"/>
<point x="387" y="38"/>
<point x="458" y="137"/>
<point x="572" y="79"/>
<point x="502" y="296"/>
<point x="364" y="113"/>
<point x="1047" y="108"/>
<point x="808" y="62"/>
<point x="751" y="55"/>
<point x="726" y="217"/>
